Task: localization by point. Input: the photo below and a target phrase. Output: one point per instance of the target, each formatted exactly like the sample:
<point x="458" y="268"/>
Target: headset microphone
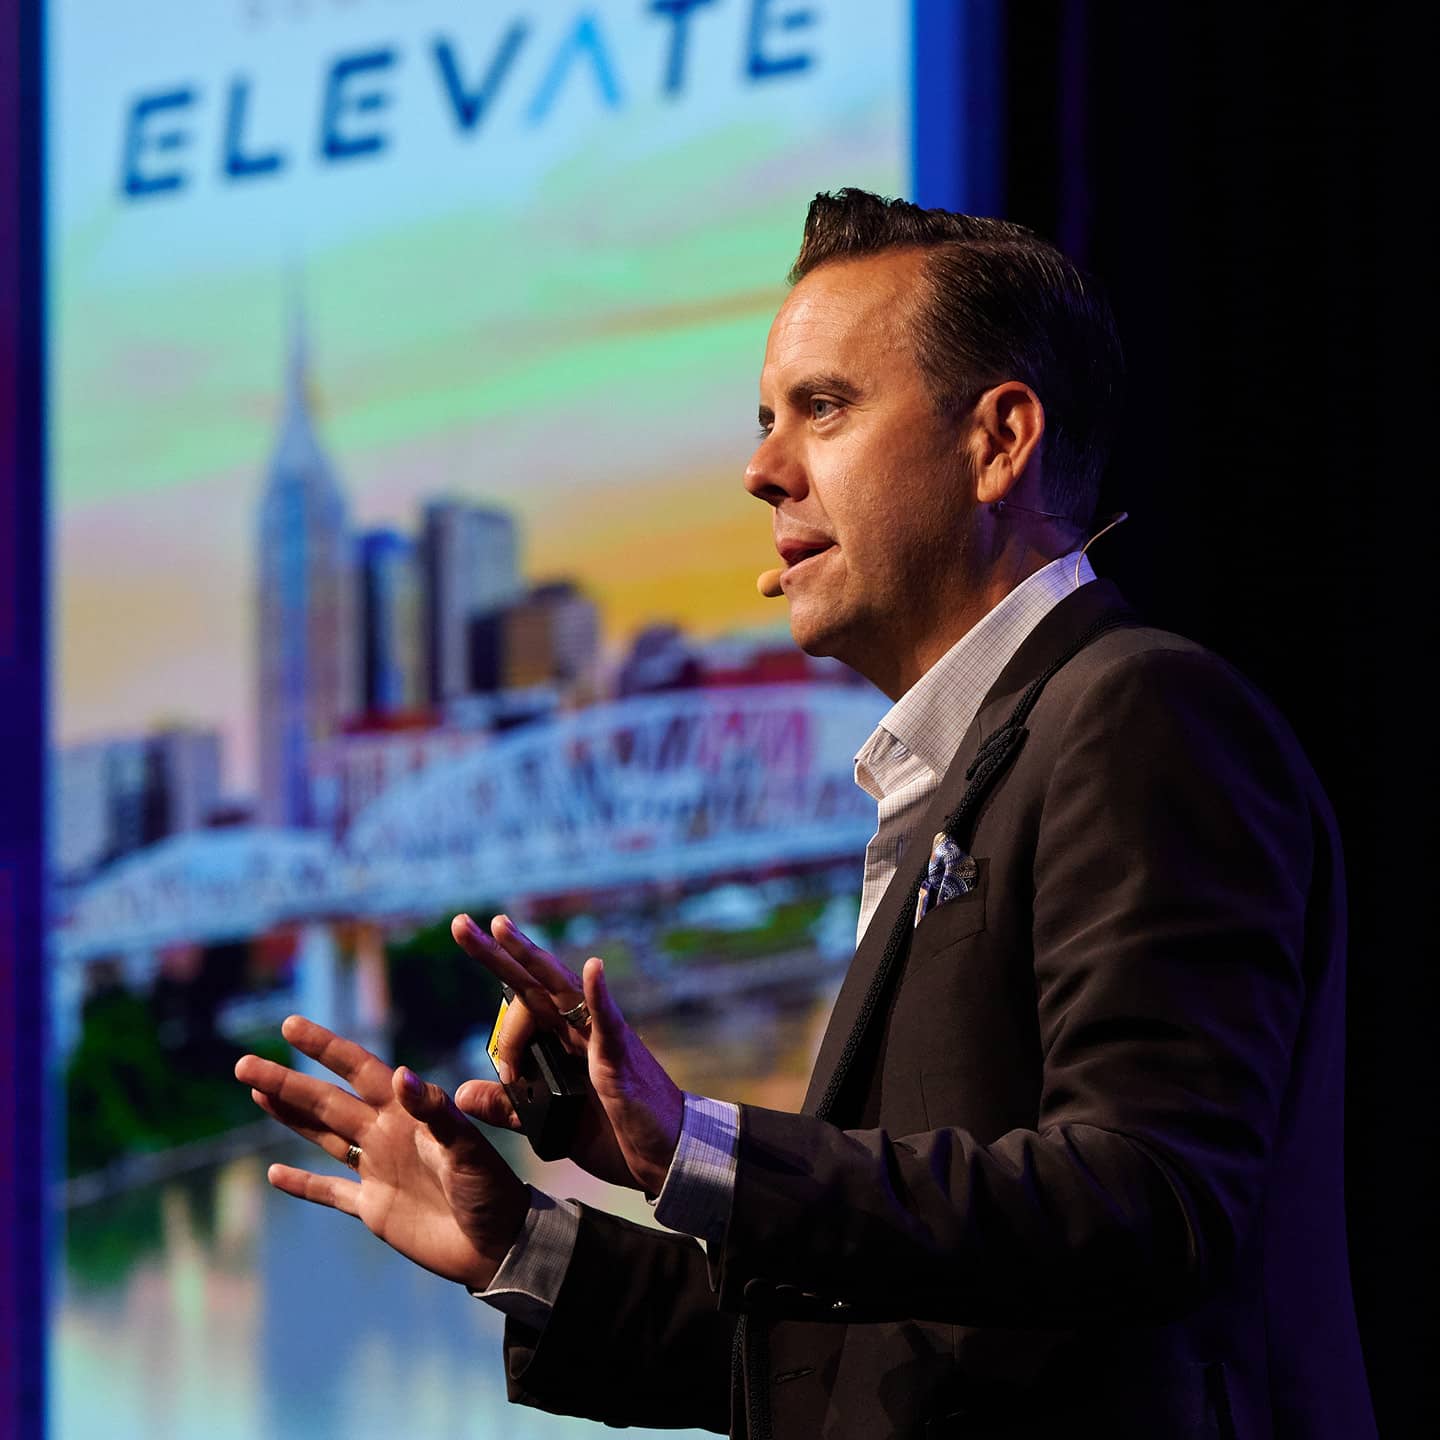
<point x="1118" y="518"/>
<point x="998" y="507"/>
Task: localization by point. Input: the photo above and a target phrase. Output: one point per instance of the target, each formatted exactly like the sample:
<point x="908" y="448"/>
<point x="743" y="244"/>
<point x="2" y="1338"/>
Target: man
<point x="1070" y="1160"/>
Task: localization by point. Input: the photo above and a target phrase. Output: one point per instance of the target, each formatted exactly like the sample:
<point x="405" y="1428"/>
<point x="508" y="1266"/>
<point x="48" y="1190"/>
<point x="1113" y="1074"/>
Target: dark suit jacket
<point x="1087" y="1179"/>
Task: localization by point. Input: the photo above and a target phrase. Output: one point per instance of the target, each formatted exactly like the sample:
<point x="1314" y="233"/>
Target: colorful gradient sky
<point x="565" y="318"/>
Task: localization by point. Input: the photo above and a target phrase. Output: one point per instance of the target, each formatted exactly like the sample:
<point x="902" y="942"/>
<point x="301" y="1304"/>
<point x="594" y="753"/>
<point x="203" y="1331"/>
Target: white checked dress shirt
<point x="900" y="766"/>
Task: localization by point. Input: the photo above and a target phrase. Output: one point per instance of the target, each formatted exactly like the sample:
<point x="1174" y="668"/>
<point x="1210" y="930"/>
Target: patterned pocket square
<point x="952" y="872"/>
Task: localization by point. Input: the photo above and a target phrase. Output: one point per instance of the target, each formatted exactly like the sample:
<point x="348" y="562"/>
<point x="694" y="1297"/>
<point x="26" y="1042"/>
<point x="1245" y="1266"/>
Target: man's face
<point x="872" y="511"/>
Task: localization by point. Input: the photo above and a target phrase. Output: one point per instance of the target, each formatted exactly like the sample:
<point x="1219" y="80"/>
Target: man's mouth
<point x="795" y="553"/>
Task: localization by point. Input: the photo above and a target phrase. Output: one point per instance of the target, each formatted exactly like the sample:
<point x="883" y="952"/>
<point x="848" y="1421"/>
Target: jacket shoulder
<point x="1158" y="695"/>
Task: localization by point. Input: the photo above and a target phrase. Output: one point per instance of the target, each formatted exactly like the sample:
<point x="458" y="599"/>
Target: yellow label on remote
<point x="494" y="1045"/>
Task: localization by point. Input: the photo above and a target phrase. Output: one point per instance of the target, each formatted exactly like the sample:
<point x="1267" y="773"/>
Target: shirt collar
<point x="930" y="719"/>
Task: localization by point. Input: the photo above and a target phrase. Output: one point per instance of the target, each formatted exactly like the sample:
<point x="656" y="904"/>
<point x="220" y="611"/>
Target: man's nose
<point x="774" y="474"/>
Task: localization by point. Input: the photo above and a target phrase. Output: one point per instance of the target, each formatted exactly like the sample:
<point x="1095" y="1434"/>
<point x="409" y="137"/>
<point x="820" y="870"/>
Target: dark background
<point x="1249" y="182"/>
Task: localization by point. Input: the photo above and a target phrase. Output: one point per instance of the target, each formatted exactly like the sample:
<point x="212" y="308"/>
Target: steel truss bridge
<point x="670" y="788"/>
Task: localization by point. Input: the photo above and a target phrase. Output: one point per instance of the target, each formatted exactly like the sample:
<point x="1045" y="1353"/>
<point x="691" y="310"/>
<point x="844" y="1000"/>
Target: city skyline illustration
<point x="376" y="650"/>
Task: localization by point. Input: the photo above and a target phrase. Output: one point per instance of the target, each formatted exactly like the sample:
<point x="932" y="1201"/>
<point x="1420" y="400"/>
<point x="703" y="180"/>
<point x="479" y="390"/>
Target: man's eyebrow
<point x="800" y="392"/>
<point x="823" y="384"/>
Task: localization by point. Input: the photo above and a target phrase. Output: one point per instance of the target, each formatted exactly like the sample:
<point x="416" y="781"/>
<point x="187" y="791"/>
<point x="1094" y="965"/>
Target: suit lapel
<point x="872" y="943"/>
<point x="1060" y="629"/>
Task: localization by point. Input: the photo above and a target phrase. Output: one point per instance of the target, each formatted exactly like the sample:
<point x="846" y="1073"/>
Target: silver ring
<point x="577" y="1017"/>
<point x="352" y="1156"/>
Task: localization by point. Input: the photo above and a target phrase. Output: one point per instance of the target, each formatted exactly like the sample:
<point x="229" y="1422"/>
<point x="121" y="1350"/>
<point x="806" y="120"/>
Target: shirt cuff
<point x="528" y="1281"/>
<point x="700" y="1184"/>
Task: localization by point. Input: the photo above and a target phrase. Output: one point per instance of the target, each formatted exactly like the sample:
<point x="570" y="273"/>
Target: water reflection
<point x="213" y="1306"/>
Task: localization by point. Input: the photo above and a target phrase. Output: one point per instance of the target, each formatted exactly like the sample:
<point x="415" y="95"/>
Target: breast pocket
<point x="953" y="921"/>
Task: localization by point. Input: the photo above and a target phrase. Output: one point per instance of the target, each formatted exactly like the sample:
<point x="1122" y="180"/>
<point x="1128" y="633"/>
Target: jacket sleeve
<point x="635" y="1336"/>
<point x="1172" y="866"/>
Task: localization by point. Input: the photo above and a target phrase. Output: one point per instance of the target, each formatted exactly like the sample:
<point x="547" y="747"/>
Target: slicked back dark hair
<point x="998" y="303"/>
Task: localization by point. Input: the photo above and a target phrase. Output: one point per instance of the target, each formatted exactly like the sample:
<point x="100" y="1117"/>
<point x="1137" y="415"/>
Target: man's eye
<point x="822" y="409"/>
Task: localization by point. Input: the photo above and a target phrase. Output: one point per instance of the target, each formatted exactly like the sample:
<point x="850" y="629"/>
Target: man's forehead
<point x="845" y="311"/>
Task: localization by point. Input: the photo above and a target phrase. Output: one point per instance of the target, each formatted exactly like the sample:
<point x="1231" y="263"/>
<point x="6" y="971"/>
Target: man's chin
<point x="846" y="636"/>
<point x="818" y="634"/>
<point x="806" y="639"/>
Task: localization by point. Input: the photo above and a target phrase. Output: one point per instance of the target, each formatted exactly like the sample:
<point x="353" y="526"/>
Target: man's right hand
<point x="543" y="986"/>
<point x="429" y="1184"/>
<point x="631" y="1122"/>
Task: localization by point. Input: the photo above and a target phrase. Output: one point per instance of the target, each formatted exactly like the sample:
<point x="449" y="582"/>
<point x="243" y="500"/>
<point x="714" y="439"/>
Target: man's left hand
<point x="427" y="1182"/>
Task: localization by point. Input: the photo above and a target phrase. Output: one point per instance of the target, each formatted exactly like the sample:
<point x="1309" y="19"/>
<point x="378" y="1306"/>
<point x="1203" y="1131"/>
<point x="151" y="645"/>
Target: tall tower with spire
<point x="305" y="602"/>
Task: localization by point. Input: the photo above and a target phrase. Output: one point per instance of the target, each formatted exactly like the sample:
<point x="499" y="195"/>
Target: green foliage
<point x="126" y="1092"/>
<point x="114" y="1236"/>
<point x="787" y="928"/>
<point x="618" y="955"/>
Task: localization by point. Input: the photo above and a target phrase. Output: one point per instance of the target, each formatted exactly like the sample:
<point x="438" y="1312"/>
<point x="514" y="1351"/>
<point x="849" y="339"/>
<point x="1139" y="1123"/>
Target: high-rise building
<point x="548" y="638"/>
<point x="308" y="668"/>
<point x="552" y="637"/>
<point x="392" y="649"/>
<point x="114" y="796"/>
<point x="472" y="567"/>
<point x="186" y="761"/>
<point x="98" y="803"/>
<point x="574" y="636"/>
<point x="487" y="638"/>
<point x="660" y="658"/>
<point x="527" y="644"/>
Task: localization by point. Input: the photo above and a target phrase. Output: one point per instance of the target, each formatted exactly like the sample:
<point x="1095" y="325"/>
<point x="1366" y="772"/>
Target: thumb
<point x="487" y="1102"/>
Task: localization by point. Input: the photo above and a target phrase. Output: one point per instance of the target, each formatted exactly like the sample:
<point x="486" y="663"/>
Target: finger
<point x="367" y="1074"/>
<point x="517" y="1030"/>
<point x="559" y="979"/>
<point x="299" y="1122"/>
<point x="487" y="1102"/>
<point x="328" y="1190"/>
<point x="433" y="1107"/>
<point x="501" y="964"/>
<point x="565" y="987"/>
<point x="607" y="1024"/>
<point x="323" y="1105"/>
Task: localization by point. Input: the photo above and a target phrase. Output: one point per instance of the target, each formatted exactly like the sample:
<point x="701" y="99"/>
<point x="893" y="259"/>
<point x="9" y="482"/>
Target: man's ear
<point x="1007" y="427"/>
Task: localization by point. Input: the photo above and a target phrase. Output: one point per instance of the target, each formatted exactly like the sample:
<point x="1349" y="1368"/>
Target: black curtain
<point x="1249" y="184"/>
